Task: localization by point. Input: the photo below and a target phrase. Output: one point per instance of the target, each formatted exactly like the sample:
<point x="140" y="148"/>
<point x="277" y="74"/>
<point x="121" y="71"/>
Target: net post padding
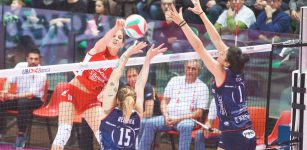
<point x="299" y="96"/>
<point x="303" y="35"/>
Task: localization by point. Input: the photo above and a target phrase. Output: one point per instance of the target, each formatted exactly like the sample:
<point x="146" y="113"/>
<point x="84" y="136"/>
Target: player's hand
<point x="154" y="51"/>
<point x="174" y="15"/>
<point x="136" y="48"/>
<point x="120" y="23"/>
<point x="197" y="8"/>
<point x="215" y="132"/>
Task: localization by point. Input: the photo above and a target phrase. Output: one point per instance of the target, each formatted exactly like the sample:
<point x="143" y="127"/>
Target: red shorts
<point x="81" y="100"/>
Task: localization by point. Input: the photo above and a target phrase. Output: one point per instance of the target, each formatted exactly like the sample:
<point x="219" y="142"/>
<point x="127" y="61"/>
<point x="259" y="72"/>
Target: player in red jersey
<point x="81" y="95"/>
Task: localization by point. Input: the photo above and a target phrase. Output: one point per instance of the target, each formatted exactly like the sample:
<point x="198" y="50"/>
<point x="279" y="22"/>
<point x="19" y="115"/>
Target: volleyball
<point x="135" y="26"/>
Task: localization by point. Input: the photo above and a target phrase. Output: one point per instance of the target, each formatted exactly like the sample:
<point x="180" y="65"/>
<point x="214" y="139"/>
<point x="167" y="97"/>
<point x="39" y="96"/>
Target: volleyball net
<point x="164" y="69"/>
<point x="60" y="47"/>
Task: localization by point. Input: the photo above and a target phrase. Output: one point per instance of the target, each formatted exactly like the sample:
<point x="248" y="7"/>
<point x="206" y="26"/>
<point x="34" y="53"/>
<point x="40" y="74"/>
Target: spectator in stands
<point x="272" y="19"/>
<point x="295" y="7"/>
<point x="151" y="108"/>
<point x="167" y="32"/>
<point x="227" y="20"/>
<point x="29" y="96"/>
<point x="258" y="6"/>
<point x="151" y="101"/>
<point x="148" y="8"/>
<point x="101" y="8"/>
<point x="185" y="97"/>
<point x="213" y="9"/>
<point x="101" y="11"/>
<point x="45" y="4"/>
<point x="20" y="21"/>
<point x="73" y="6"/>
<point x="122" y="8"/>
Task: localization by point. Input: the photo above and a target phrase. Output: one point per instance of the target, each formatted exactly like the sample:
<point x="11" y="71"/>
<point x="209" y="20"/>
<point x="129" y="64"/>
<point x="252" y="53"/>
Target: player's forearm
<point x="117" y="72"/>
<point x="102" y="43"/>
<point x="192" y="38"/>
<point x="142" y="79"/>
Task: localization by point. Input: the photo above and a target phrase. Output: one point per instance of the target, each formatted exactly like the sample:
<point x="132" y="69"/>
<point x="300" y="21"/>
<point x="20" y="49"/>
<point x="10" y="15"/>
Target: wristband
<point x="183" y="24"/>
<point x="200" y="13"/>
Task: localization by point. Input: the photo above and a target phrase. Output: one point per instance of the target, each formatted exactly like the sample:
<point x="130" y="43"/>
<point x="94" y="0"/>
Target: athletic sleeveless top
<point x="230" y="103"/>
<point x="115" y="134"/>
<point x="95" y="79"/>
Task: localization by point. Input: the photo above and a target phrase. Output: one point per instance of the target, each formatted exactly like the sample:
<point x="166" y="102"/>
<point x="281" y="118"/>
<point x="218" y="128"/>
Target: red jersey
<point x="95" y="79"/>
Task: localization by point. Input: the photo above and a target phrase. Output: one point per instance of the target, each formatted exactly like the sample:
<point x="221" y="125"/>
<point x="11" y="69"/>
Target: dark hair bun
<point x="244" y="58"/>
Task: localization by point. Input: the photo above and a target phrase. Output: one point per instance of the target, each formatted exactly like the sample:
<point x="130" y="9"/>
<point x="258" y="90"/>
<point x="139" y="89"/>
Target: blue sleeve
<point x="254" y="34"/>
<point x="282" y="24"/>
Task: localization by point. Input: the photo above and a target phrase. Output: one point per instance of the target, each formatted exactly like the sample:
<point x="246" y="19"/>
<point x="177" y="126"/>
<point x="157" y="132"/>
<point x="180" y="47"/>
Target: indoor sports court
<point x="66" y="65"/>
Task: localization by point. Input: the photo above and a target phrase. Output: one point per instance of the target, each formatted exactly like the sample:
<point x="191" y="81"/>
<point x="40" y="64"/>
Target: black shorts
<point x="238" y="140"/>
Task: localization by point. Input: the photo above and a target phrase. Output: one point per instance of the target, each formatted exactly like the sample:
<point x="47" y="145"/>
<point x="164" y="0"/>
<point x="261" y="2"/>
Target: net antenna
<point x="236" y="28"/>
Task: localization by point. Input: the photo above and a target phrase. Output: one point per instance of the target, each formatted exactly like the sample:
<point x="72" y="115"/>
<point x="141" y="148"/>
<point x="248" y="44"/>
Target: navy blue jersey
<point x="115" y="134"/>
<point x="230" y="102"/>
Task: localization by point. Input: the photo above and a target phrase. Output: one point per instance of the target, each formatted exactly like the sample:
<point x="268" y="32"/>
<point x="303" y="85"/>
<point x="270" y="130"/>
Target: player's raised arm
<point x="107" y="95"/>
<point x="142" y="78"/>
<point x="213" y="66"/>
<point x="101" y="44"/>
<point x="214" y="35"/>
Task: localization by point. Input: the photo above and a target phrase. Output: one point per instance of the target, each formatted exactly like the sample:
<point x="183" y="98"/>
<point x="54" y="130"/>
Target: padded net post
<point x="303" y="34"/>
<point x="299" y="96"/>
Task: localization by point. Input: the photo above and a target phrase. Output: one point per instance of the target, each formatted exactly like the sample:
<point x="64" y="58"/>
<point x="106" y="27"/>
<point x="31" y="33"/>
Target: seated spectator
<point x="148" y="8"/>
<point x="122" y="8"/>
<point x="295" y="8"/>
<point x="151" y="101"/>
<point x="30" y="90"/>
<point x="213" y="9"/>
<point x="227" y="20"/>
<point x="22" y="24"/>
<point x="258" y="7"/>
<point x="167" y="32"/>
<point x="77" y="6"/>
<point x="272" y="19"/>
<point x="45" y="4"/>
<point x="73" y="6"/>
<point x="185" y="97"/>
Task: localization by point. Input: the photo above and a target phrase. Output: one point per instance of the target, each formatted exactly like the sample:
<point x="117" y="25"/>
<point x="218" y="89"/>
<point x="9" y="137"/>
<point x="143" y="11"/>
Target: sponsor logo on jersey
<point x="248" y="133"/>
<point x="240" y="118"/>
<point x="148" y="94"/>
